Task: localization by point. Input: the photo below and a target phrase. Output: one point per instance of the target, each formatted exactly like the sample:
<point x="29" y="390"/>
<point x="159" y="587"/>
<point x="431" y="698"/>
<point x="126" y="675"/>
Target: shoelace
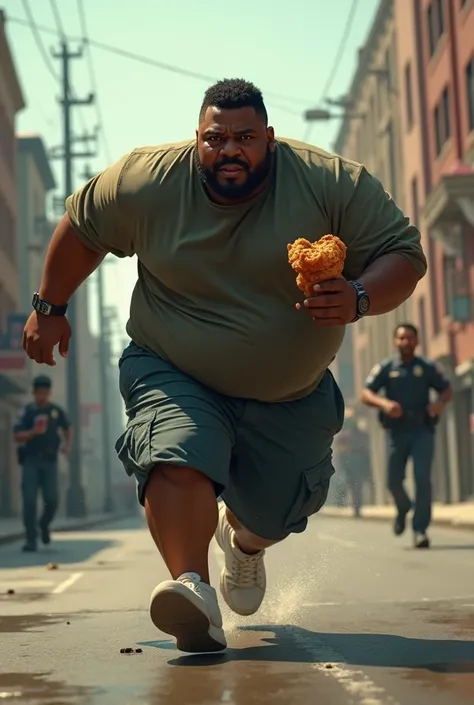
<point x="196" y="587"/>
<point x="245" y="572"/>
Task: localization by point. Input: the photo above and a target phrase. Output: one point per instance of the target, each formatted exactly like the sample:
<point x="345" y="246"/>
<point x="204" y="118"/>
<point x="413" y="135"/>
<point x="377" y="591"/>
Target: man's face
<point x="406" y="341"/>
<point x="234" y="152"/>
<point x="42" y="395"/>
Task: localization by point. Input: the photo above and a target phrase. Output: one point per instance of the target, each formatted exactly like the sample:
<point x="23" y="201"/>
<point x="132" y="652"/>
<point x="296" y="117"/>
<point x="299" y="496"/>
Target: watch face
<point x="41" y="306"/>
<point x="364" y="304"/>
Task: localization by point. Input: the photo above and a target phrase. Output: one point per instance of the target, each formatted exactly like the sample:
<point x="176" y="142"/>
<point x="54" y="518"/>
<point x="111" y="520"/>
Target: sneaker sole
<point x="173" y="613"/>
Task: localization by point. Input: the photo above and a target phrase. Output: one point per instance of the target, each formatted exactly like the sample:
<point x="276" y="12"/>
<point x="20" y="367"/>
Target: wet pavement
<point x="353" y="616"/>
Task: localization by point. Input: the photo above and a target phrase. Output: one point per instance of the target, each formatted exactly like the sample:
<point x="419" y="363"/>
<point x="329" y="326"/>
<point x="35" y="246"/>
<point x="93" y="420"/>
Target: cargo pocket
<point x="133" y="447"/>
<point x="313" y="493"/>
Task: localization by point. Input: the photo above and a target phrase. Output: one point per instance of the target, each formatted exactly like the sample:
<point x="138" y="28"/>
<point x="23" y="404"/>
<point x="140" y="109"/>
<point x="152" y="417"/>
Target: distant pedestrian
<point x="37" y="433"/>
<point x="409" y="419"/>
<point x="351" y="447"/>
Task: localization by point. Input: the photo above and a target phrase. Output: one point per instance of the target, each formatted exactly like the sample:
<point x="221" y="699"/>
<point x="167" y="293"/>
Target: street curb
<point x="446" y="523"/>
<point x="97" y="521"/>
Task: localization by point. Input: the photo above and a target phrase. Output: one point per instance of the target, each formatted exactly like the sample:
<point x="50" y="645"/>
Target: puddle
<point x="456" y="678"/>
<point x="460" y="622"/>
<point x="23" y="597"/>
<point x="18" y="687"/>
<point x="15" y="624"/>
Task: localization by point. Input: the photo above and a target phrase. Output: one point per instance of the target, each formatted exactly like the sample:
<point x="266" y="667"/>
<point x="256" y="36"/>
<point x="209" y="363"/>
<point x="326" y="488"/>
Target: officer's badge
<point x="54" y="414"/>
<point x="418" y="371"/>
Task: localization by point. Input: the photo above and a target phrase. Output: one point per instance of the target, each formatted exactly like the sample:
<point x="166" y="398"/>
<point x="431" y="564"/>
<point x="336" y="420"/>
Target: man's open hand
<point x="42" y="334"/>
<point x="334" y="303"/>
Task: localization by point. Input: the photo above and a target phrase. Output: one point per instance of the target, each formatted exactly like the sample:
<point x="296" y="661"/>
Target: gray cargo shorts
<point x="271" y="462"/>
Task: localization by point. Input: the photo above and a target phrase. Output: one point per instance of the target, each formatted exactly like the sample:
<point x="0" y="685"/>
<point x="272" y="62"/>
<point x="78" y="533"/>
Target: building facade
<point x="411" y="123"/>
<point x="12" y="364"/>
<point x="371" y="133"/>
<point x="443" y="35"/>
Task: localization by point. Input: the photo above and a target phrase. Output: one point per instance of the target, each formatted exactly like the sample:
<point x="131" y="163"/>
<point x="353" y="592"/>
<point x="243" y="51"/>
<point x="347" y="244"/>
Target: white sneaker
<point x="187" y="609"/>
<point x="243" y="579"/>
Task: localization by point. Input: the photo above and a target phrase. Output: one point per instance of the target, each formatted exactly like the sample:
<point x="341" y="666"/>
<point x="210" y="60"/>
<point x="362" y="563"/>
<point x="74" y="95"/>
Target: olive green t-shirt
<point x="215" y="294"/>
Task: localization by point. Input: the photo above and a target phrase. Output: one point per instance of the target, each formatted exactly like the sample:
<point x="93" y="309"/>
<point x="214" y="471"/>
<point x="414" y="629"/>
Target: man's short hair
<point x="42" y="382"/>
<point x="233" y="93"/>
<point x="407" y="326"/>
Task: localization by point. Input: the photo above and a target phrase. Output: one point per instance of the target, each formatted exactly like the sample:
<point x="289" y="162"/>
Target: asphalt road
<point x="353" y="616"/>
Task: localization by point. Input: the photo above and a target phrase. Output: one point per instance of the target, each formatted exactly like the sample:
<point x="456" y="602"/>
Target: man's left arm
<point x="384" y="252"/>
<point x="440" y="384"/>
<point x="65" y="425"/>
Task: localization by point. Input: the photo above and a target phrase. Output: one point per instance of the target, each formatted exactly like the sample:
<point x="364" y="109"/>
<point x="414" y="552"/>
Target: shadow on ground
<point x="291" y="644"/>
<point x="64" y="551"/>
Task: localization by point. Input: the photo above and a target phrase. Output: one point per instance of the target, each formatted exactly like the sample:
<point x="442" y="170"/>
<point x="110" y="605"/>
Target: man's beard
<point x="229" y="189"/>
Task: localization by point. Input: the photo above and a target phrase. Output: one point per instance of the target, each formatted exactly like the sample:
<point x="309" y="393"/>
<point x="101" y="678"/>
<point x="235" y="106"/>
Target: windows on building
<point x="470" y="93"/>
<point x="442" y="121"/>
<point x="436" y="24"/>
<point x="415" y="202"/>
<point x="408" y="96"/>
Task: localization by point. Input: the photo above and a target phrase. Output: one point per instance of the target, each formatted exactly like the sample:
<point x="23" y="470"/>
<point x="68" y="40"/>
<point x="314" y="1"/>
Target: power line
<point x="57" y="17"/>
<point x="340" y="50"/>
<point x="85" y="36"/>
<point x="39" y="42"/>
<point x="118" y="51"/>
<point x="336" y="63"/>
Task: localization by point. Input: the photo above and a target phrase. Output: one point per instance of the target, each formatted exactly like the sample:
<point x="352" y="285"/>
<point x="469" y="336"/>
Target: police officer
<point x="37" y="433"/>
<point x="409" y="418"/>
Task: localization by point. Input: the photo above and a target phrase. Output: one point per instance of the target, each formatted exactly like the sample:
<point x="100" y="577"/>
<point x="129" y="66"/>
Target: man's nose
<point x="231" y="148"/>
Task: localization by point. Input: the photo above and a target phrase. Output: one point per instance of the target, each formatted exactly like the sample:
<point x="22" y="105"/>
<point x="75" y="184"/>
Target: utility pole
<point x="76" y="501"/>
<point x="104" y="362"/>
<point x="104" y="357"/>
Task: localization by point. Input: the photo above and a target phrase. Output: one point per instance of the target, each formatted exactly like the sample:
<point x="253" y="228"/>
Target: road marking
<point x="341" y="542"/>
<point x="421" y="600"/>
<point x="361" y="689"/>
<point x="67" y="583"/>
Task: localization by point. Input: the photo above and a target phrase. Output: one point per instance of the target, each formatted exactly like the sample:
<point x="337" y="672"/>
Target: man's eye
<point x="246" y="137"/>
<point x="213" y="138"/>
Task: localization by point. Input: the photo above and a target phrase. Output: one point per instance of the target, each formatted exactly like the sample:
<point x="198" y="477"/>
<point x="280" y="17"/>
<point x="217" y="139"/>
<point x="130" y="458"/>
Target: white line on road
<point x="62" y="587"/>
<point x="341" y="542"/>
<point x="361" y="689"/>
<point x="351" y="603"/>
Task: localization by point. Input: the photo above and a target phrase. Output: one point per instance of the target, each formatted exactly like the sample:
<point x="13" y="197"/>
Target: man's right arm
<point x="94" y="225"/>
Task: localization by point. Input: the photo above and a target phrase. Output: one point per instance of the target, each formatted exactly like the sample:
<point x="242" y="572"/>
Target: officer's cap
<point x="42" y="382"/>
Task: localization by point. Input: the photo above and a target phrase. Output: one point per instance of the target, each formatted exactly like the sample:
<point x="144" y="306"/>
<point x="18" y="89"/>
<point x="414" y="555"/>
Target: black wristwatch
<point x="362" y="301"/>
<point x="47" y="309"/>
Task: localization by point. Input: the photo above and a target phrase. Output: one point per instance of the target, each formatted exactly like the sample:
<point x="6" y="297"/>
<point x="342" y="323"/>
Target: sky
<point x="286" y="47"/>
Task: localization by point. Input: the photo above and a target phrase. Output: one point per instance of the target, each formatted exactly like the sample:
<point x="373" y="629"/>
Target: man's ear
<point x="271" y="138"/>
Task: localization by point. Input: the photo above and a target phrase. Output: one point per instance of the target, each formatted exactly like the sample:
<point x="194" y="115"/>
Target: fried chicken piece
<point x="315" y="262"/>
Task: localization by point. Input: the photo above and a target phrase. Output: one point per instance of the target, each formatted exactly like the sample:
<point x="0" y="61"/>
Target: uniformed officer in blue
<point x="409" y="418"/>
<point x="38" y="434"/>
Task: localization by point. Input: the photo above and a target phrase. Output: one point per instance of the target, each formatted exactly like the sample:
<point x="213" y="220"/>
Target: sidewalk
<point x="12" y="529"/>
<point x="460" y="516"/>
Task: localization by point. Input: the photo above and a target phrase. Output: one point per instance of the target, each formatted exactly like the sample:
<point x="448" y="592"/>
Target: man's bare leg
<point x="247" y="542"/>
<point x="181" y="512"/>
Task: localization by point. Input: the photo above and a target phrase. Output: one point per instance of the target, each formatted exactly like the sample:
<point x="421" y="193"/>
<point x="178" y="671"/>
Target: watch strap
<point x="362" y="296"/>
<point x="45" y="308"/>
